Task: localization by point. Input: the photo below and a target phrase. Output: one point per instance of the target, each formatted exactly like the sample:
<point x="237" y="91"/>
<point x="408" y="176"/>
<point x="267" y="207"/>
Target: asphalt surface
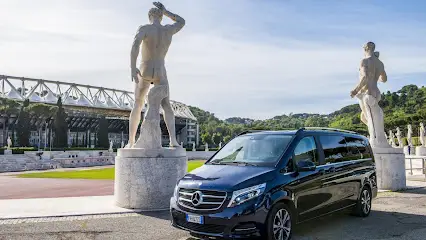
<point x="394" y="216"/>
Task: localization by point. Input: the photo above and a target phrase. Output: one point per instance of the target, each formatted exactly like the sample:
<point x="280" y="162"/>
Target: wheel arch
<point x="284" y="197"/>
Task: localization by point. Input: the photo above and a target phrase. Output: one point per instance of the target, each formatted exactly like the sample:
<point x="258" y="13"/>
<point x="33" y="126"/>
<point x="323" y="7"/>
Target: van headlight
<point x="175" y="192"/>
<point x="246" y="194"/>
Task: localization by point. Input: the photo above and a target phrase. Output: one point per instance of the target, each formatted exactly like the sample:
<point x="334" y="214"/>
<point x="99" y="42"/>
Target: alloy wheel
<point x="282" y="225"/>
<point x="366" y="201"/>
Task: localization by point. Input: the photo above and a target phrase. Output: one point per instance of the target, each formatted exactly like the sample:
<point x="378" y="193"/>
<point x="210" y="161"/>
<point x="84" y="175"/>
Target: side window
<point x="306" y="150"/>
<point x="335" y="149"/>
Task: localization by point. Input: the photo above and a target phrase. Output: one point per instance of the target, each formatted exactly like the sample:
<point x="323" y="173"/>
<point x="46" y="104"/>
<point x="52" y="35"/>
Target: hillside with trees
<point x="406" y="106"/>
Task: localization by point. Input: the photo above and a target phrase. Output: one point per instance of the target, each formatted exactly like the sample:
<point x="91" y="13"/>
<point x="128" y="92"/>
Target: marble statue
<point x="110" y="146"/>
<point x="181" y="143"/>
<point x="207" y="147"/>
<point x="9" y="143"/>
<point x="153" y="41"/>
<point x="392" y="138"/>
<point x="399" y="137"/>
<point x="220" y="144"/>
<point x="421" y="150"/>
<point x="122" y="144"/>
<point x="193" y="147"/>
<point x="409" y="135"/>
<point x="371" y="71"/>
<point x="144" y="163"/>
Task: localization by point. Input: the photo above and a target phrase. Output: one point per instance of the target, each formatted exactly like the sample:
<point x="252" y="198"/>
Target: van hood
<point x="226" y="177"/>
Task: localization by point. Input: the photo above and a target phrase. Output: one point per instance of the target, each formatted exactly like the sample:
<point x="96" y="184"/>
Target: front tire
<point x="279" y="223"/>
<point x="363" y="206"/>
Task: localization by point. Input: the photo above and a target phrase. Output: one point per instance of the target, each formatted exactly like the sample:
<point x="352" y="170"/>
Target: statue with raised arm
<point x="371" y="71"/>
<point x="422" y="135"/>
<point x="399" y="137"/>
<point x="153" y="41"/>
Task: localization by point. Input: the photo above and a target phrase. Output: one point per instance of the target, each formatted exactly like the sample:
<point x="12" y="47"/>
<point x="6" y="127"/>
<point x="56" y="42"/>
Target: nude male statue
<point x="409" y="135"/>
<point x="371" y="71"/>
<point x="399" y="137"/>
<point x="155" y="39"/>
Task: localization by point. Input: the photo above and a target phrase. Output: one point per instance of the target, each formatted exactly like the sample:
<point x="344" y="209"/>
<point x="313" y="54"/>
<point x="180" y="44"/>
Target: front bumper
<point x="243" y="221"/>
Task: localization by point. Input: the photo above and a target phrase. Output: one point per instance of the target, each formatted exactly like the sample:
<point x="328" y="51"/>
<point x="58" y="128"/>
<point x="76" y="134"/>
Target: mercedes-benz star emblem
<point x="197" y="198"/>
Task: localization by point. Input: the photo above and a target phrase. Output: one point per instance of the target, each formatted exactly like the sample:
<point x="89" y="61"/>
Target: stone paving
<point x="395" y="215"/>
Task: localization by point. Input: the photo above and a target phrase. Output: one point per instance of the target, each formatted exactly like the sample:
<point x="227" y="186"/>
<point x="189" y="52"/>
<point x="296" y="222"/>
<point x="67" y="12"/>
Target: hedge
<point x="18" y="150"/>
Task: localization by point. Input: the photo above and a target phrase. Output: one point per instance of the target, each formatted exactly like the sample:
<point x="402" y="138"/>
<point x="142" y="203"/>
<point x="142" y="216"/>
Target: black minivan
<point x="262" y="183"/>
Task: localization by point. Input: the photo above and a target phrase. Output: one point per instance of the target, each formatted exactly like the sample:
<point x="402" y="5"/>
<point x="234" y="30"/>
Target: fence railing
<point x="411" y="158"/>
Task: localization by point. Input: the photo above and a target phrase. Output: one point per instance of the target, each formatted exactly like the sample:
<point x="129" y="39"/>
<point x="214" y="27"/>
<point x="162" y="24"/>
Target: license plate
<point x="194" y="219"/>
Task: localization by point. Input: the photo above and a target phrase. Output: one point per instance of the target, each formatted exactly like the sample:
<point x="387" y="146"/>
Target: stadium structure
<point x="85" y="105"/>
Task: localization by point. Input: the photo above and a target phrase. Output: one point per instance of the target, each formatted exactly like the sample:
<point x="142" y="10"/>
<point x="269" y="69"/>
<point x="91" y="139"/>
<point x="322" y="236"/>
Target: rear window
<point x="344" y="148"/>
<point x="334" y="147"/>
<point x="358" y="148"/>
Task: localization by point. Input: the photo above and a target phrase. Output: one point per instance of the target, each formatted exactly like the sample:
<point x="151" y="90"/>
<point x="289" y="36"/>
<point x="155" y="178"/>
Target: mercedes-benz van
<point x="262" y="183"/>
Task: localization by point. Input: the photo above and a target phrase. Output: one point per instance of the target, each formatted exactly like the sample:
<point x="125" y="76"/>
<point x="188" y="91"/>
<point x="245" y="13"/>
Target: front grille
<point x="180" y="220"/>
<point x="209" y="200"/>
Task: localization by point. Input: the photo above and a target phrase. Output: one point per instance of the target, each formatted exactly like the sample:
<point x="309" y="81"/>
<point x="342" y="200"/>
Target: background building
<point x="85" y="105"/>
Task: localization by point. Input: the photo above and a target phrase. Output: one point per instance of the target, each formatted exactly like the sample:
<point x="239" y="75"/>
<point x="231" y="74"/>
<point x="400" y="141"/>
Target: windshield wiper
<point x="242" y="163"/>
<point x="214" y="163"/>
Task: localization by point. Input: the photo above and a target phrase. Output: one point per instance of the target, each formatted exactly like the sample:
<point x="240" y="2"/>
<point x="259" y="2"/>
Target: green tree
<point x="216" y="138"/>
<point x="60" y="126"/>
<point x="206" y="137"/>
<point x="102" y="133"/>
<point x="23" y="130"/>
<point x="226" y="139"/>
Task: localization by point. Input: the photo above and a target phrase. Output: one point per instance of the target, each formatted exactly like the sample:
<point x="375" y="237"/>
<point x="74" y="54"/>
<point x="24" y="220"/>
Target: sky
<point x="251" y="58"/>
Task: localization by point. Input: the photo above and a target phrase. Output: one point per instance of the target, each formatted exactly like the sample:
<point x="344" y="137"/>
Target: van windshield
<point x="258" y="149"/>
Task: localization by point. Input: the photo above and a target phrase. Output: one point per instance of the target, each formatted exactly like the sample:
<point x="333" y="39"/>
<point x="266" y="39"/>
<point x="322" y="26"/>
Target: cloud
<point x="247" y="59"/>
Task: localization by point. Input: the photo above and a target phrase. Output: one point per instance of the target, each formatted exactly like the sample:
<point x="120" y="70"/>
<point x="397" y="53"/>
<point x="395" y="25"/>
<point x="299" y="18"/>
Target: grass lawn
<point x="105" y="173"/>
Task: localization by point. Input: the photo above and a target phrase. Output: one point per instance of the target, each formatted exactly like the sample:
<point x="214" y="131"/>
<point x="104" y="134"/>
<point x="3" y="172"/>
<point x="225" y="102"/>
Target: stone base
<point x="420" y="151"/>
<point x="7" y="152"/>
<point x="145" y="179"/>
<point x="390" y="168"/>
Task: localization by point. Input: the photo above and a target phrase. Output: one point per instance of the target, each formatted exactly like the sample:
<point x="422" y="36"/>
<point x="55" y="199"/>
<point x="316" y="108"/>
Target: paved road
<point x="15" y="188"/>
<point x="394" y="216"/>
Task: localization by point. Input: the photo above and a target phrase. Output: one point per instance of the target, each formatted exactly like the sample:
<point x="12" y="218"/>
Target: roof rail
<point x="329" y="129"/>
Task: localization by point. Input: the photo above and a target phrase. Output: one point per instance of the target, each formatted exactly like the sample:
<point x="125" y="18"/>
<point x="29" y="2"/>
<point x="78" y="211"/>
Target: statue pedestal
<point x="420" y="151"/>
<point x="390" y="168"/>
<point x="7" y="152"/>
<point x="145" y="179"/>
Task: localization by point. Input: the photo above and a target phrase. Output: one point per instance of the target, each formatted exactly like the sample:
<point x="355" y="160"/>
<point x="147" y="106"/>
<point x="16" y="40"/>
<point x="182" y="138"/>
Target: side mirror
<point x="306" y="166"/>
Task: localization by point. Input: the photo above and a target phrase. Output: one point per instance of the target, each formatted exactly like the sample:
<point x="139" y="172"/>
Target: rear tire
<point x="363" y="205"/>
<point x="279" y="224"/>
